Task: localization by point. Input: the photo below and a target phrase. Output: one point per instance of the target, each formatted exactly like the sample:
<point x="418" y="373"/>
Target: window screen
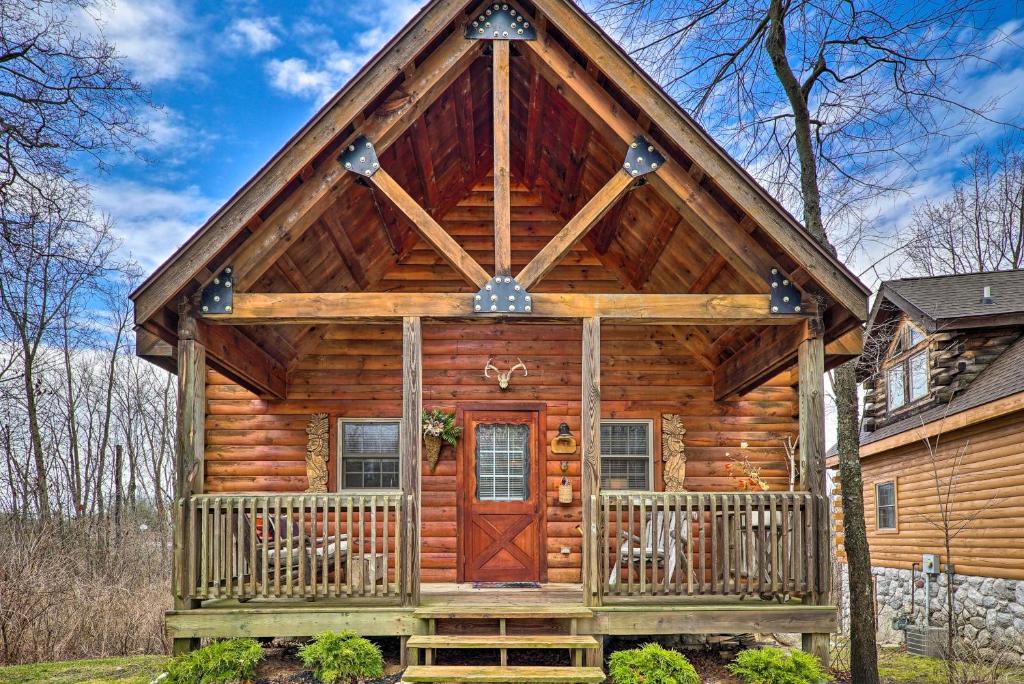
<point x="369" y="454"/>
<point x="502" y="462"/>
<point x="625" y="455"/>
<point x="885" y="505"/>
<point x="918" y="375"/>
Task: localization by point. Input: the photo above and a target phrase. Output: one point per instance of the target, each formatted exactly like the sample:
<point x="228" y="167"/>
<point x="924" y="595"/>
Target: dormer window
<point x="906" y="370"/>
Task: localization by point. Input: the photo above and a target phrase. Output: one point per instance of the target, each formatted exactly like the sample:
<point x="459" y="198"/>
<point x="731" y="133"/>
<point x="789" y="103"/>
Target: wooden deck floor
<point x="620" y="615"/>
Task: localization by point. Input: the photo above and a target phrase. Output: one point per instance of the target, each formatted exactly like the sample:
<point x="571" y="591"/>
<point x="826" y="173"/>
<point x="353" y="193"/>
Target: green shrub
<point x="222" y="662"/>
<point x="651" y="664"/>
<point x="774" y="666"/>
<point x="335" y="657"/>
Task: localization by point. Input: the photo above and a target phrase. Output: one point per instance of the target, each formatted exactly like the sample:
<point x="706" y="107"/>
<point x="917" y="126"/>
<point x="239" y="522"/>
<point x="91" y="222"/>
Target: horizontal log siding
<point x="257" y="445"/>
<point x="989" y="488"/>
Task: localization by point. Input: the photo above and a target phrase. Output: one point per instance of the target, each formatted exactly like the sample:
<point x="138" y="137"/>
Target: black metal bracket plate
<point x="216" y="297"/>
<point x="501" y="21"/>
<point x="785" y="297"/>
<point x="502" y="295"/>
<point x="360" y="157"/>
<point x="642" y="158"/>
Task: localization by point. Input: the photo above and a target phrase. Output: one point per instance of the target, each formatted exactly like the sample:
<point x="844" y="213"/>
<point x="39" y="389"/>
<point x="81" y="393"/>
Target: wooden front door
<point x="502" y="535"/>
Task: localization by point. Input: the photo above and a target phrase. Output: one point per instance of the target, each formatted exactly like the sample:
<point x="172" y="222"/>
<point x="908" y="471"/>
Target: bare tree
<point x="63" y="92"/>
<point x="52" y="255"/>
<point x="826" y="102"/>
<point x="980" y="226"/>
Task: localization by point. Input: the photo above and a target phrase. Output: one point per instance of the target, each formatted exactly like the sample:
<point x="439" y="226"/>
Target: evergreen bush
<point x="342" y="657"/>
<point x="770" y="665"/>
<point x="222" y="662"/>
<point x="651" y="664"/>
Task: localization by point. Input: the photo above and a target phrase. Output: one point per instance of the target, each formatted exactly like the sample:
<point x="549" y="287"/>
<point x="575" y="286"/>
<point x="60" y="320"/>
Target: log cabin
<point x="502" y="217"/>
<point x="941" y="431"/>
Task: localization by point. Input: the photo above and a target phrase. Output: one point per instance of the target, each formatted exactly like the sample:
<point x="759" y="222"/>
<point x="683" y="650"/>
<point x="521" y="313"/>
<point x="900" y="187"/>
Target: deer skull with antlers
<point x="503" y="378"/>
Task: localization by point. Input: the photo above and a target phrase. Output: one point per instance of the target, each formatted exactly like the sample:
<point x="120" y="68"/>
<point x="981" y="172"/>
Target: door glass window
<point x="502" y="462"/>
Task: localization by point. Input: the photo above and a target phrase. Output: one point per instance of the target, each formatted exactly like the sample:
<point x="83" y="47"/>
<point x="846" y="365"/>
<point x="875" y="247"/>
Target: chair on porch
<point x="282" y="562"/>
<point x="655" y="548"/>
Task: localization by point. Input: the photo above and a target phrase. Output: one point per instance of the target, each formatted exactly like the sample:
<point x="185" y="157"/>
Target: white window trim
<point x="650" y="451"/>
<point x="339" y="440"/>
<point x="895" y="507"/>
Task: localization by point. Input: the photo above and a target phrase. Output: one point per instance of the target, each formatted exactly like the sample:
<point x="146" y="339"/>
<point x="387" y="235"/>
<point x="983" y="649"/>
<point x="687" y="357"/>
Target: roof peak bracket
<point x="785" y="297"/>
<point x="642" y="158"/>
<point x="360" y="157"/>
<point x="502" y="295"/>
<point x="216" y="296"/>
<point x="500" y="21"/>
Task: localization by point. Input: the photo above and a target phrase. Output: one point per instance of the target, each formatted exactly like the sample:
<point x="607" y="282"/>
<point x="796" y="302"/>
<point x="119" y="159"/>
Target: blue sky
<point x="234" y="80"/>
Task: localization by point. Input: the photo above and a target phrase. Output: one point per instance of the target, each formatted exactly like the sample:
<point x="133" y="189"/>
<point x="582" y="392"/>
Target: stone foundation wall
<point x="990" y="611"/>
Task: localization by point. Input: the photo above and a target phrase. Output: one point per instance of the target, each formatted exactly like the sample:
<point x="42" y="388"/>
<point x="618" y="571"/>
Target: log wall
<point x="254" y="445"/>
<point x="988" y="495"/>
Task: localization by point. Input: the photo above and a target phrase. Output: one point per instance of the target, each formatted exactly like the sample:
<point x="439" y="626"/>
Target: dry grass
<point x="82" y="589"/>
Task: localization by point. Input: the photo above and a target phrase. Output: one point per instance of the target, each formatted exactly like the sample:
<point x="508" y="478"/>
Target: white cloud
<point x="326" y="65"/>
<point x="254" y="35"/>
<point x="150" y="220"/>
<point x="152" y="35"/>
<point x="297" y="76"/>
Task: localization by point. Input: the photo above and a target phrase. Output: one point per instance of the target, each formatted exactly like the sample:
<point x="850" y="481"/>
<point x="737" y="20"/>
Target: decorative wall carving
<point x="673" y="451"/>
<point x="316" y="452"/>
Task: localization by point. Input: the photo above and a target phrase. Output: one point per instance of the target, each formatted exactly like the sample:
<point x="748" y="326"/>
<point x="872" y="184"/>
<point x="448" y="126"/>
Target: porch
<point x="473" y="609"/>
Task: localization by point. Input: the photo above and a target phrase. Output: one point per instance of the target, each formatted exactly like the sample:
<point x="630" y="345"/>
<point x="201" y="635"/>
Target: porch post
<point x="811" y="369"/>
<point x="412" y="447"/>
<point x="189" y="446"/>
<point x="590" y="471"/>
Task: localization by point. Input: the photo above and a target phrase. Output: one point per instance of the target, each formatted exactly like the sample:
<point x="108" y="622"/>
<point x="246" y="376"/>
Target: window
<point x="626" y="455"/>
<point x="906" y="374"/>
<point x="502" y="462"/>
<point x="885" y="505"/>
<point x="368" y="453"/>
<point x="897" y="386"/>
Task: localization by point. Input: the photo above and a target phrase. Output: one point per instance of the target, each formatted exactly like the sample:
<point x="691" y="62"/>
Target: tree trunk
<point x="863" y="649"/>
<point x="42" y="488"/>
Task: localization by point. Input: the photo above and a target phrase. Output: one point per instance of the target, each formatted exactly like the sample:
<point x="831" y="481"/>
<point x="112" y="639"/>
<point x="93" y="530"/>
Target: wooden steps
<point x="489" y="612"/>
<point x="509" y="641"/>
<point x="496" y="673"/>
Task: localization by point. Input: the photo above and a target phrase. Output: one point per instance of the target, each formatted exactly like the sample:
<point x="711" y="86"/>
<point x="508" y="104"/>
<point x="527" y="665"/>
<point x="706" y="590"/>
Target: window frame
<point x="339" y="471"/>
<point x="895" y="508"/>
<point x="650" y="453"/>
<point x="901" y="356"/>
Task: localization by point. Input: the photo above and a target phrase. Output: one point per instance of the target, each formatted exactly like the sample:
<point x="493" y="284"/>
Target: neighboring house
<point x="509" y="191"/>
<point x="944" y="397"/>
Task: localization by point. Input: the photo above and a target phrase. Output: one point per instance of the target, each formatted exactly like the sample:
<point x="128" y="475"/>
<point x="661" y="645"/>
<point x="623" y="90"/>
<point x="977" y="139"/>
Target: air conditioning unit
<point x="926" y="641"/>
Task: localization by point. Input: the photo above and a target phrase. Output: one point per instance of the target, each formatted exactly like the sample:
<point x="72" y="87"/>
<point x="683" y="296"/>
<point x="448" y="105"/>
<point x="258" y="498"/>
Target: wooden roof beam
<point x="666" y="114"/>
<point x="309" y="201"/>
<point x="233" y="353"/>
<point x="430" y="230"/>
<point x="575" y="229"/>
<point x="672" y="182"/>
<point x="250" y="308"/>
<point x="501" y="73"/>
<point x="764" y="357"/>
<point x="222" y="227"/>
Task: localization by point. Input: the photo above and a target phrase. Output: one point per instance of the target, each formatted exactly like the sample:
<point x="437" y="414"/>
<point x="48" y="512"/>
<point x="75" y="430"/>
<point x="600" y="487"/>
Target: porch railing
<point x="291" y="546"/>
<point x="664" y="543"/>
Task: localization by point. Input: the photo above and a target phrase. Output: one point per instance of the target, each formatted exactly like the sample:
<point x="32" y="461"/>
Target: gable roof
<point x="952" y="302"/>
<point x="191" y="262"/>
<point x="1004" y="377"/>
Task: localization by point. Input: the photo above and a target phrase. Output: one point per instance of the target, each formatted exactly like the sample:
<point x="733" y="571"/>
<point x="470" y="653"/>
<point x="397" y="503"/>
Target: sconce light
<point x="564" y="442"/>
